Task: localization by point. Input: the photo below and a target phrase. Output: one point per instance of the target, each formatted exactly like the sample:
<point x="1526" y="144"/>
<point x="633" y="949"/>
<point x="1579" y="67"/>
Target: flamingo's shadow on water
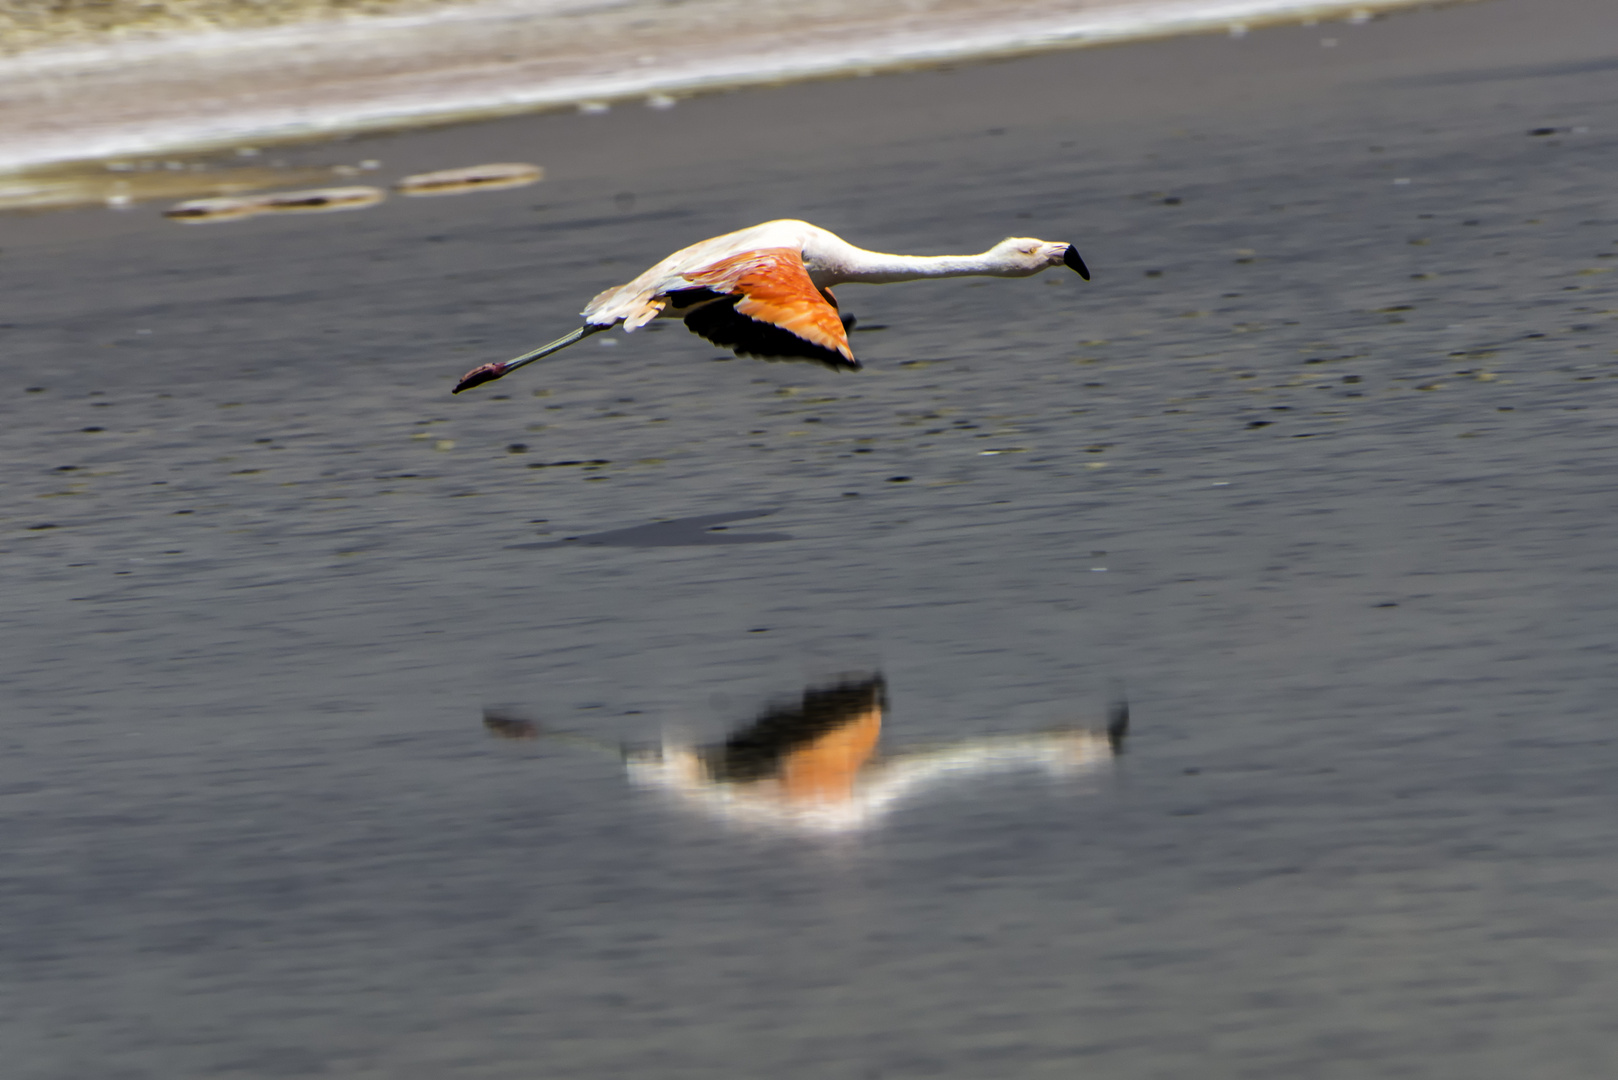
<point x="704" y="530"/>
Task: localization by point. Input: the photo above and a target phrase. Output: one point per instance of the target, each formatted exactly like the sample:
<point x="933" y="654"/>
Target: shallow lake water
<point x="1315" y="473"/>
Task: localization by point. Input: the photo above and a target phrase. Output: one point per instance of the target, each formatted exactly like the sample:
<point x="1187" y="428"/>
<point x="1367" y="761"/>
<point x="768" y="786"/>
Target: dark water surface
<point x="1319" y="466"/>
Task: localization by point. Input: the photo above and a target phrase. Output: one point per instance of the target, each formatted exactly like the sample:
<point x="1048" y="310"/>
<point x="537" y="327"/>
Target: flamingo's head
<point x="1023" y="255"/>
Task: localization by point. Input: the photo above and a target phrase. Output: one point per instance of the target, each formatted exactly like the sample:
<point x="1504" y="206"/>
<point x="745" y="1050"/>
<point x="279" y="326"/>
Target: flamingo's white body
<point x="766" y="290"/>
<point x="870" y="789"/>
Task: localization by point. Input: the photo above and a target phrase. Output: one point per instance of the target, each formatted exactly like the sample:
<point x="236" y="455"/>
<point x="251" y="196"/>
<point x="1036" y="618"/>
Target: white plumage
<point x="766" y="290"/>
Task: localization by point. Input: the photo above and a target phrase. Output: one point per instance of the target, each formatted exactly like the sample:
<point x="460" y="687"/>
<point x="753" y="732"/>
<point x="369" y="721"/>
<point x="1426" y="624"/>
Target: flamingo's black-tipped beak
<point x="486" y="373"/>
<point x="1118" y="725"/>
<point x="1072" y="259"/>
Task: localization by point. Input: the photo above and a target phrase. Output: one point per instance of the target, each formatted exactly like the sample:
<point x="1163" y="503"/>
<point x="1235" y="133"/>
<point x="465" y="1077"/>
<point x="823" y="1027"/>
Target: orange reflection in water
<point x="813" y="766"/>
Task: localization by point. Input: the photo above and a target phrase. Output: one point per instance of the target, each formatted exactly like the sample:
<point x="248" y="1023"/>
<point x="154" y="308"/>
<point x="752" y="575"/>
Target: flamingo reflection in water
<point x="813" y="766"/>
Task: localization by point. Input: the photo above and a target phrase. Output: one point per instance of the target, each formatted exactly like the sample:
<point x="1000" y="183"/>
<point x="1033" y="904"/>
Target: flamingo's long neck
<point x="878" y="268"/>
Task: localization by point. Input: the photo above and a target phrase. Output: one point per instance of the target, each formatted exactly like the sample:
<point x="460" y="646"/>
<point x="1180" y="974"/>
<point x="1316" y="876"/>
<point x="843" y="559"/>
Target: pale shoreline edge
<point x="176" y="115"/>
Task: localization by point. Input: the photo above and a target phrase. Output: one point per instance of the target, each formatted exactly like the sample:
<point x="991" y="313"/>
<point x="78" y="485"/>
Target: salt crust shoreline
<point x="205" y="92"/>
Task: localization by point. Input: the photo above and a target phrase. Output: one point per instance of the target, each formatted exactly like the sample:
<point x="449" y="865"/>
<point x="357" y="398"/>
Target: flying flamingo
<point x="814" y="766"/>
<point x="766" y="291"/>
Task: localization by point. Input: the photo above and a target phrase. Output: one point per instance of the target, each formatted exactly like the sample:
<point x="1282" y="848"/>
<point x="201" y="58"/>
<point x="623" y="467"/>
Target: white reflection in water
<point x="815" y="766"/>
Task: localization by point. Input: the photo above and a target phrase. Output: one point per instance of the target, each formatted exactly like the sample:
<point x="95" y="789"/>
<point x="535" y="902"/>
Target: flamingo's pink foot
<point x="486" y="373"/>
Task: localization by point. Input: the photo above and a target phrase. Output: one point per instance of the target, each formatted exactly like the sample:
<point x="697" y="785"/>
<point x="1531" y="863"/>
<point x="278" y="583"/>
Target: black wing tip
<point x="718" y="321"/>
<point x="1076" y="262"/>
<point x="757" y="750"/>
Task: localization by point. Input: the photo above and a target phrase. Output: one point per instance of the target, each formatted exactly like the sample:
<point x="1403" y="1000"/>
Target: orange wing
<point x="775" y="288"/>
<point x="826" y="769"/>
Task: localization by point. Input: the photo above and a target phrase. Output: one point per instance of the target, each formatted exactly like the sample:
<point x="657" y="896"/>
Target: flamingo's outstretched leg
<point x="490" y="372"/>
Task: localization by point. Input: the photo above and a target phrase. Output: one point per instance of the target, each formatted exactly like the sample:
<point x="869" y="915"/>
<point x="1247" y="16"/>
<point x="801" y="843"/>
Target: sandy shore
<point x="169" y="94"/>
<point x="1317" y="466"/>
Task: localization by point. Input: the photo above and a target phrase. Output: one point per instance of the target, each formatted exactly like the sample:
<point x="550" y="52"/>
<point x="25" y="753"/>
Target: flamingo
<point x="815" y="767"/>
<point x="765" y="291"/>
